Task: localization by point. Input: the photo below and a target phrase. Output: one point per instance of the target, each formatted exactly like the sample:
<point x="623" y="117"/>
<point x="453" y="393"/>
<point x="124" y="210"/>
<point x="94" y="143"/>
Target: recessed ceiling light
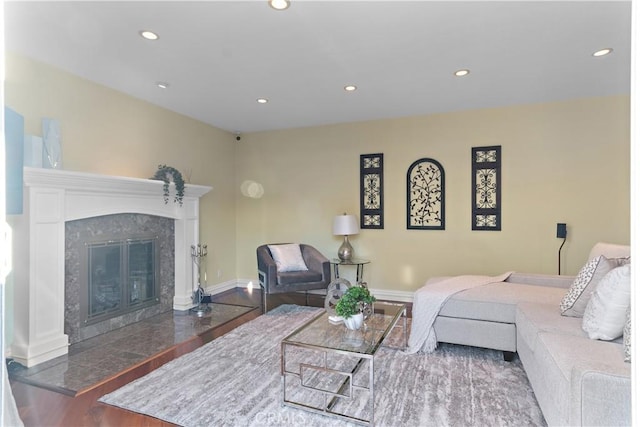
<point x="149" y="35"/>
<point x="603" y="52"/>
<point x="162" y="85"/>
<point x="262" y="100"/>
<point x="279" y="4"/>
<point x="350" y="88"/>
<point x="461" y="73"/>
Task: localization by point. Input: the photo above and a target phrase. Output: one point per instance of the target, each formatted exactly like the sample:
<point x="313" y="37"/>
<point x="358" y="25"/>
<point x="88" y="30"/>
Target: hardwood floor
<point x="39" y="407"/>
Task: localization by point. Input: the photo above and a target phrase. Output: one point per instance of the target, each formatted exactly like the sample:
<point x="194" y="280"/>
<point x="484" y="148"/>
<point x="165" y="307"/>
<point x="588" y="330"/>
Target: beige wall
<point x="562" y="162"/>
<point x="108" y="132"/>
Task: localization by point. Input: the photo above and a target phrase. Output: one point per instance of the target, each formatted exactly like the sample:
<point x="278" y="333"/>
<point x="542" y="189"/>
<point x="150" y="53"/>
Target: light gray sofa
<point x="576" y="380"/>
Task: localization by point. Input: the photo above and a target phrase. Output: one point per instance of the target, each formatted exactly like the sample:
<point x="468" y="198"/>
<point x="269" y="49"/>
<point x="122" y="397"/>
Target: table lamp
<point x="345" y="225"/>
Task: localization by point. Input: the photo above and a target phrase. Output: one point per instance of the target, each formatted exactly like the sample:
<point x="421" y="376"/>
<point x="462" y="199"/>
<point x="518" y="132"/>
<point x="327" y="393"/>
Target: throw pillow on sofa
<point x="575" y="301"/>
<point x="606" y="312"/>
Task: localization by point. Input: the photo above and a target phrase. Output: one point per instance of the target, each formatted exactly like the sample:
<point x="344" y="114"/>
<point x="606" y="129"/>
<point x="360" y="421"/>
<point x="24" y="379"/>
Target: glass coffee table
<point x="321" y="363"/>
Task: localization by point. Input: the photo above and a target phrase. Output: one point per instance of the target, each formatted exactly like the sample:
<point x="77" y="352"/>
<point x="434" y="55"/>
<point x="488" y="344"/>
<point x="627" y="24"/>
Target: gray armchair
<point x="318" y="275"/>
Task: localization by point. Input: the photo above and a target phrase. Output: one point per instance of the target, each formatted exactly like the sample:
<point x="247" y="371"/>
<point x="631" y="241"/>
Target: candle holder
<point x="200" y="298"/>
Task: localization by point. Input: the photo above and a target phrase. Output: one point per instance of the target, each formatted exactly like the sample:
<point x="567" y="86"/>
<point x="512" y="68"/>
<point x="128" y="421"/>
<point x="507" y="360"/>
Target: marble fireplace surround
<point x="52" y="197"/>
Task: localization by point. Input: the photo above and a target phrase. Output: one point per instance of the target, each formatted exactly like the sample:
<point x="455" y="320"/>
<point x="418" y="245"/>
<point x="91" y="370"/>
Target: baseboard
<point x="391" y="295"/>
<point x="381" y="294"/>
<point x="224" y="286"/>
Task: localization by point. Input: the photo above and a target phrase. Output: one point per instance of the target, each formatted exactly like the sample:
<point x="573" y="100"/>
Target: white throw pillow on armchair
<point x="288" y="257"/>
<point x="606" y="313"/>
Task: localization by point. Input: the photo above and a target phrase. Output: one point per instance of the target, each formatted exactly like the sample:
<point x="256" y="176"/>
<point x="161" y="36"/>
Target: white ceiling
<point x="220" y="56"/>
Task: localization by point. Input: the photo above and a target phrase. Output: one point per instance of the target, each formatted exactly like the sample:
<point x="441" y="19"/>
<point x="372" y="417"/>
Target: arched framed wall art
<point x="425" y="195"/>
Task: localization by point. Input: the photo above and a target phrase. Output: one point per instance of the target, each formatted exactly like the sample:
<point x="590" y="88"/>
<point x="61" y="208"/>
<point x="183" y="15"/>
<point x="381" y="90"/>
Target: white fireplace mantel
<point x="52" y="197"/>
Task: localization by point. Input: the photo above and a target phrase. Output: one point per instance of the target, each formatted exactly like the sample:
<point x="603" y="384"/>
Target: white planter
<point x="354" y="322"/>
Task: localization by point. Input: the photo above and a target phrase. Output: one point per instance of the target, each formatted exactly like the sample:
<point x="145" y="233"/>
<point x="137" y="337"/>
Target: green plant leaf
<point x="351" y="301"/>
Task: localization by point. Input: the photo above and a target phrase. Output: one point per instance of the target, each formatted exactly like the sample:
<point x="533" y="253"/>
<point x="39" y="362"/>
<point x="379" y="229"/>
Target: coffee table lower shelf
<point x="325" y="377"/>
<point x="345" y="390"/>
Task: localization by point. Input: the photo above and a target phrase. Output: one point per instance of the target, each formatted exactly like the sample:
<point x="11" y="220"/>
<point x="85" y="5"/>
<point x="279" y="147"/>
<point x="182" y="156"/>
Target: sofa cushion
<point x="596" y="372"/>
<point x="606" y="312"/>
<point x="547" y="280"/>
<point x="576" y="299"/>
<point x="495" y="335"/>
<point x="533" y="318"/>
<point x="497" y="301"/>
<point x="570" y="362"/>
<point x="297" y="277"/>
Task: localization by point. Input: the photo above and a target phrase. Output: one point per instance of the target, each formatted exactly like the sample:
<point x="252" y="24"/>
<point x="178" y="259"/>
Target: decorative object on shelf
<point x="345" y="225"/>
<point x="200" y="298"/>
<point x="351" y="305"/>
<point x="371" y="191"/>
<point x="425" y="195"/>
<point x="33" y="151"/>
<point x="52" y="150"/>
<point x="486" y="212"/>
<point x="335" y="291"/>
<point x="168" y="174"/>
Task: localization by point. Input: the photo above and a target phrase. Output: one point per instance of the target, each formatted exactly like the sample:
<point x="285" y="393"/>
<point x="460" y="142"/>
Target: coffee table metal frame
<point x="345" y="391"/>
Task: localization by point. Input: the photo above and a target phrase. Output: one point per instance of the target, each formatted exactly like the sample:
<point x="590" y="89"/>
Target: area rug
<point x="235" y="381"/>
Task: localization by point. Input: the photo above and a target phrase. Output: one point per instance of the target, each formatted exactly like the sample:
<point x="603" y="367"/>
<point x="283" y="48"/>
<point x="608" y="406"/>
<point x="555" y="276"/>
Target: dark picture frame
<point x="372" y="191"/>
<point x="486" y="188"/>
<point x="425" y="195"/>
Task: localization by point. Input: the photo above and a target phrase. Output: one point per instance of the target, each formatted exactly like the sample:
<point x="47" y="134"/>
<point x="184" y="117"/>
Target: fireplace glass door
<point x="122" y="277"/>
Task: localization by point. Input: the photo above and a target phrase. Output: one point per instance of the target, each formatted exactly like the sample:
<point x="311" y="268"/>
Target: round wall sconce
<point x="252" y="189"/>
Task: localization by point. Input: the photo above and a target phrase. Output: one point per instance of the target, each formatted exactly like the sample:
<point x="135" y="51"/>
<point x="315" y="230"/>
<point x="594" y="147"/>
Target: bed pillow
<point x="288" y="257"/>
<point x="575" y="301"/>
<point x="606" y="313"/>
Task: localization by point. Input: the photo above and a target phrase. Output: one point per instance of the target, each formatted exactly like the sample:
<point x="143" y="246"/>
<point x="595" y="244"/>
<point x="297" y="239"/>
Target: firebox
<point x="122" y="275"/>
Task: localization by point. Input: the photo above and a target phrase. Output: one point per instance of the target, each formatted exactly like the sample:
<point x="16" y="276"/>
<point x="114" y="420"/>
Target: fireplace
<point x="121" y="277"/>
<point x="55" y="200"/>
<point x="119" y="269"/>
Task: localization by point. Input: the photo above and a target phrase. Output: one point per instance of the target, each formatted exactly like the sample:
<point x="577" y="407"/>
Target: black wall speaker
<point x="561" y="231"/>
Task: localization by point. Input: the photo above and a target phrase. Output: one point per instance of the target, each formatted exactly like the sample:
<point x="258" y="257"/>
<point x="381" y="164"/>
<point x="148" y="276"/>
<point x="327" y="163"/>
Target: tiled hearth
<point x="96" y="359"/>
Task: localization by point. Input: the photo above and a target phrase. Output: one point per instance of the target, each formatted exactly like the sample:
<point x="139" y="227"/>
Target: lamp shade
<point x="345" y="225"/>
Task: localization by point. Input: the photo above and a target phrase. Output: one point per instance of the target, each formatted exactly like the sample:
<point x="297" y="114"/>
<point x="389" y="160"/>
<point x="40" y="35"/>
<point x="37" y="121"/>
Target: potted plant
<point x="351" y="305"/>
<point x="168" y="174"/>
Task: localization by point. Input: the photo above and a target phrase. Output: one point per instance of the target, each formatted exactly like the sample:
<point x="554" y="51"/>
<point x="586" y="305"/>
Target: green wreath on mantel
<point x="167" y="174"/>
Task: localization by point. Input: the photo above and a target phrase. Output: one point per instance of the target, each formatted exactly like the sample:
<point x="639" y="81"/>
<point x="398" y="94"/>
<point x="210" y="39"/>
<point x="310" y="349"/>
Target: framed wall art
<point x="486" y="212"/>
<point x="425" y="195"/>
<point x="371" y="191"/>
